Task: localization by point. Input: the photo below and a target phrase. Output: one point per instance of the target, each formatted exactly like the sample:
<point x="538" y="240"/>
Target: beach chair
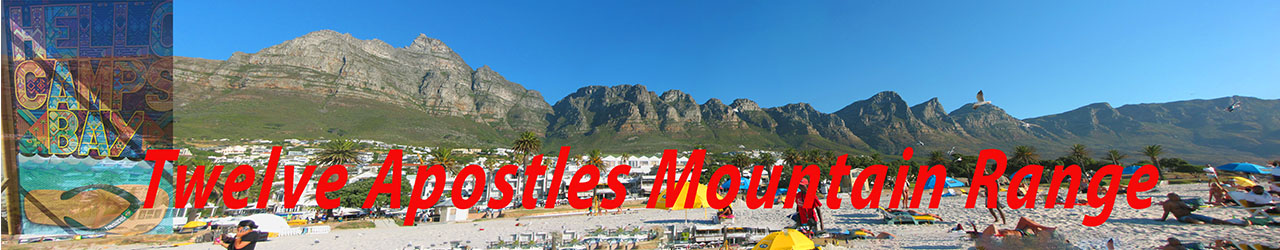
<point x="904" y="217"/>
<point x="1257" y="214"/>
<point x="1245" y="246"/>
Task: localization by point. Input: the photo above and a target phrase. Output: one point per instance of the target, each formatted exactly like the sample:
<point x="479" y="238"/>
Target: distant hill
<point x="327" y="84"/>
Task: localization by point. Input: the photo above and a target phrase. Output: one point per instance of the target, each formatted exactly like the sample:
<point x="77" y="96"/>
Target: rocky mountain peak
<point x="934" y="117"/>
<point x="425" y="75"/>
<point x="884" y="120"/>
<point x="718" y="114"/>
<point x="1096" y="119"/>
<point x="990" y="122"/>
<point x="802" y="119"/>
<point x="321" y="35"/>
<point x="714" y="102"/>
<point x="929" y="109"/>
<point x="676" y="96"/>
<point x="883" y="96"/>
<point x="745" y="105"/>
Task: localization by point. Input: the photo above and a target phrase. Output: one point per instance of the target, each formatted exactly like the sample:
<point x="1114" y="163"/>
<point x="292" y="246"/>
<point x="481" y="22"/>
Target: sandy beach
<point x="1131" y="228"/>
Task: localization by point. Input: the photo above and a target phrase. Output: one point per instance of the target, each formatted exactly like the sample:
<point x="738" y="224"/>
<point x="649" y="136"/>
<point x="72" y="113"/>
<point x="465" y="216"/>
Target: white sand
<point x="1133" y="229"/>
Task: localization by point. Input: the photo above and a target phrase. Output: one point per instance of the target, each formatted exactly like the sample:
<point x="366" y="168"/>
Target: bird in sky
<point x="981" y="101"/>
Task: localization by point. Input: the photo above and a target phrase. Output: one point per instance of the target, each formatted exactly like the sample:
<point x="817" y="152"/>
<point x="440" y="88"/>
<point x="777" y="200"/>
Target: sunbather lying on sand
<point x="914" y="213"/>
<point x="1182" y="212"/>
<point x="1025" y="227"/>
<point x="881" y="235"/>
<point x="1026" y="235"/>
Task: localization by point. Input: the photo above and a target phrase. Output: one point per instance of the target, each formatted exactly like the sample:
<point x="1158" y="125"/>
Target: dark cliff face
<point x="884" y="121"/>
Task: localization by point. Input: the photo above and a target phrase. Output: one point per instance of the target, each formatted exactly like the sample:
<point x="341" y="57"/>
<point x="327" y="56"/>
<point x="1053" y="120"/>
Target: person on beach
<point x="1182" y="212"/>
<point x="726" y="212"/>
<point x="1258" y="197"/>
<point x="245" y="237"/>
<point x="1025" y="227"/>
<point x="999" y="208"/>
<point x="1026" y="235"/>
<point x="1217" y="194"/>
<point x="1275" y="182"/>
<point x="914" y="213"/>
<point x="811" y="216"/>
<point x="875" y="235"/>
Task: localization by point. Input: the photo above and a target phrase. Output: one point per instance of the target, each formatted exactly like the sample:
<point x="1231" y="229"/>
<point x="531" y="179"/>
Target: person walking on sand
<point x="999" y="208"/>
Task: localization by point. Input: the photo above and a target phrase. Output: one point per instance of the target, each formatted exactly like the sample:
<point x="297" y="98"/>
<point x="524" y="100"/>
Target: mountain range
<point x="328" y="84"/>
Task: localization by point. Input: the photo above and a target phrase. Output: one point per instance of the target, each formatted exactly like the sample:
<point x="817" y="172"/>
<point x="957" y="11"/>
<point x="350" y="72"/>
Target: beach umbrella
<point x="1130" y="169"/>
<point x="269" y="223"/>
<point x="700" y="198"/>
<point x="195" y="224"/>
<point x="1245" y="167"/>
<point x="950" y="183"/>
<point x="1243" y="182"/>
<point x="788" y="239"/>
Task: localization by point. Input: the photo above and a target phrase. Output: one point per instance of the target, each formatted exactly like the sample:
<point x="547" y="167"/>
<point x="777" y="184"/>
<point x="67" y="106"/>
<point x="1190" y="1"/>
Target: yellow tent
<point x="700" y="200"/>
<point x="788" y="239"/>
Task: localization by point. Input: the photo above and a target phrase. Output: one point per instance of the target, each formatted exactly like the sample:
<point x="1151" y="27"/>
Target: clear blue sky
<point x="1032" y="58"/>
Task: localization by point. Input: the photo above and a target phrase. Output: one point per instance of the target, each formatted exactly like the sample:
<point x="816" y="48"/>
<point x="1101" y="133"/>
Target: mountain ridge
<point x="323" y="74"/>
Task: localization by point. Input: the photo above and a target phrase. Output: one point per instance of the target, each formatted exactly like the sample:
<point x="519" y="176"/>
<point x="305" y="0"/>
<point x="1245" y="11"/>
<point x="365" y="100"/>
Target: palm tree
<point x="593" y="158"/>
<point x="792" y="157"/>
<point x="814" y="156"/>
<point x="215" y="196"/>
<point x="491" y="162"/>
<point x="937" y="158"/>
<point x="527" y="144"/>
<point x="1115" y="156"/>
<point x="625" y="157"/>
<point x="740" y="160"/>
<point x="1078" y="151"/>
<point x="338" y="152"/>
<point x="765" y="159"/>
<point x="1154" y="152"/>
<point x="444" y="157"/>
<point x="1024" y="155"/>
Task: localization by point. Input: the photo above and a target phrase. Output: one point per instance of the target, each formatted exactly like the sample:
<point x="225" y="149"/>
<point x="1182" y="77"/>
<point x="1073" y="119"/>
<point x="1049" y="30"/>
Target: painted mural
<point x="91" y="86"/>
<point x="88" y="196"/>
